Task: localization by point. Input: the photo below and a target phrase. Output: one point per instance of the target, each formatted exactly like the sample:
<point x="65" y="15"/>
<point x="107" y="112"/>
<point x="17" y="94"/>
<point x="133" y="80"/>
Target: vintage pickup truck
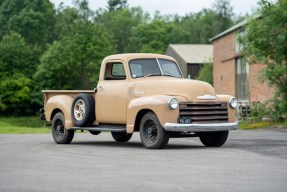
<point x="143" y="93"/>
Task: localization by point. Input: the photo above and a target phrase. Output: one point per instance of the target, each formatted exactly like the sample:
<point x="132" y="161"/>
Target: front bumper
<point x="177" y="127"/>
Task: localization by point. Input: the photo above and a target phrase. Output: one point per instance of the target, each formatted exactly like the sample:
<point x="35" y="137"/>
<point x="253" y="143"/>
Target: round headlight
<point x="173" y="103"/>
<point x="233" y="102"/>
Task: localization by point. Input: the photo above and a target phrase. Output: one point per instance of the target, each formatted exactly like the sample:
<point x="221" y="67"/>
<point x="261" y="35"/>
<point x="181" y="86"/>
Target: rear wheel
<point x="213" y="139"/>
<point x="61" y="135"/>
<point x="153" y="135"/>
<point x="122" y="136"/>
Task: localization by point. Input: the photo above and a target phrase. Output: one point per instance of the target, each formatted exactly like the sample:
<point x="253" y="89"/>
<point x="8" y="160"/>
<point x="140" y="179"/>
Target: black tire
<point x="213" y="139"/>
<point x="95" y="132"/>
<point x="153" y="135"/>
<point x="122" y="136"/>
<point x="83" y="110"/>
<point x="61" y="135"/>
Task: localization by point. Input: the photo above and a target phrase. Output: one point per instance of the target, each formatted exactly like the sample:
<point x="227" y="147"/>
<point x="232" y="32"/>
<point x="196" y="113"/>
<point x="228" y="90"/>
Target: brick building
<point x="190" y="57"/>
<point x="231" y="73"/>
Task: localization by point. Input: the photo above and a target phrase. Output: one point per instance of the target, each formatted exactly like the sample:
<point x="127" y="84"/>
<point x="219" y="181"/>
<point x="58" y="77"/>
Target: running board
<point x="113" y="128"/>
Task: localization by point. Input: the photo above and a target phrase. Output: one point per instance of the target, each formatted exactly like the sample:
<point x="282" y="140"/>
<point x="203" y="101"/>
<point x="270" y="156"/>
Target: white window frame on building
<point x="242" y="72"/>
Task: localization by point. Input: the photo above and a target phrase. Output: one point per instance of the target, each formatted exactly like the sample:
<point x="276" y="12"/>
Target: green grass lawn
<point x="22" y="125"/>
<point x="245" y="125"/>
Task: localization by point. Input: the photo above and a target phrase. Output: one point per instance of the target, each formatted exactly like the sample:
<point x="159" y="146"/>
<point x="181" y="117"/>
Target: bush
<point x="206" y="73"/>
<point x="259" y="110"/>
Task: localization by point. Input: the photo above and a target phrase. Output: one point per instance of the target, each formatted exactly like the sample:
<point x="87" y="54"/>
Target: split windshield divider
<point x="159" y="66"/>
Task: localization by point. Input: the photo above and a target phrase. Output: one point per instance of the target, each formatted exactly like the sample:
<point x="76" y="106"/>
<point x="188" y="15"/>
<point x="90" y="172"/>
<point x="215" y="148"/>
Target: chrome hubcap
<point x="79" y="110"/>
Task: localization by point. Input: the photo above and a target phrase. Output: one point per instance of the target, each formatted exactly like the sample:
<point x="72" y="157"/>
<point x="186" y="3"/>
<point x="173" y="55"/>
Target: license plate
<point x="185" y="120"/>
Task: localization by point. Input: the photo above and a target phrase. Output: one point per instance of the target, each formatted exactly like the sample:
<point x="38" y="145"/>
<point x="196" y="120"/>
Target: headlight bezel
<point x="233" y="103"/>
<point x="173" y="103"/>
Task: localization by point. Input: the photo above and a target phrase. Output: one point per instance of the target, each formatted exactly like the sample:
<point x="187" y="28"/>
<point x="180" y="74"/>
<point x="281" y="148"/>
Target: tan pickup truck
<point x="143" y="93"/>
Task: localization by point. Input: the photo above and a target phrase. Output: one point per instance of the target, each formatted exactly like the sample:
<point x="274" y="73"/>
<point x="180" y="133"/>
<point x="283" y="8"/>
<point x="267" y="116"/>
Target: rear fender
<point x="63" y="103"/>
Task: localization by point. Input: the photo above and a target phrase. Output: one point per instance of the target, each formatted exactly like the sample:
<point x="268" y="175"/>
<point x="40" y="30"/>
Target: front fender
<point x="158" y="104"/>
<point x="63" y="103"/>
<point x="232" y="113"/>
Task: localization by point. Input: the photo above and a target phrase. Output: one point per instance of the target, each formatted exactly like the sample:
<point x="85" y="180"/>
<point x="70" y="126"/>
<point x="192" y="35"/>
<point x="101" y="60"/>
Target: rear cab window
<point x="115" y="71"/>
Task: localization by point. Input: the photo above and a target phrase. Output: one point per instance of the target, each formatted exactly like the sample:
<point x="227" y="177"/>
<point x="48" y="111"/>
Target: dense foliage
<point x="265" y="41"/>
<point x="73" y="61"/>
<point x="206" y="73"/>
<point x="43" y="47"/>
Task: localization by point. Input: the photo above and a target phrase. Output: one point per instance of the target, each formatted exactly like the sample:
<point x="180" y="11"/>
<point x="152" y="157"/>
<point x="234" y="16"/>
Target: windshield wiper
<point x="169" y="75"/>
<point x="154" y="74"/>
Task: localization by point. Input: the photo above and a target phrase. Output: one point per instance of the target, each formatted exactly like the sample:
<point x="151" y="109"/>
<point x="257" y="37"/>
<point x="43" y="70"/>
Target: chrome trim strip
<point x="200" y="127"/>
<point x="206" y="97"/>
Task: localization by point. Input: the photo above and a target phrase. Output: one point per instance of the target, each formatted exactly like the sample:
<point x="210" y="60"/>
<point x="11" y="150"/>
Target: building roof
<point x="234" y="28"/>
<point x="193" y="53"/>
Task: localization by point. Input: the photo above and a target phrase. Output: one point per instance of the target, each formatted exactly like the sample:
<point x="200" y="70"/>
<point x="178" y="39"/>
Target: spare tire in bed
<point x="83" y="110"/>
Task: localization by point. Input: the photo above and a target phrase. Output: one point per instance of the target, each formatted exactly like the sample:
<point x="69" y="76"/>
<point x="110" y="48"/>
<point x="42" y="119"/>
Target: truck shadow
<point x="133" y="144"/>
<point x="108" y="144"/>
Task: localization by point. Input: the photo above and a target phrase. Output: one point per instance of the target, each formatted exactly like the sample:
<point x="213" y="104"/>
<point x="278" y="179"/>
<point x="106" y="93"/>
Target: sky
<point x="180" y="7"/>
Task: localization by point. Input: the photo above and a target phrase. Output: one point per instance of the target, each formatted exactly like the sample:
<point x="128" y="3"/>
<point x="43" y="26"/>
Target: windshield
<point x="153" y="67"/>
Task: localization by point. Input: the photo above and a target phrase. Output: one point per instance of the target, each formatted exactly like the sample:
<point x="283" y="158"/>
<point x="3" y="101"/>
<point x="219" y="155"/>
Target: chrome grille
<point x="204" y="112"/>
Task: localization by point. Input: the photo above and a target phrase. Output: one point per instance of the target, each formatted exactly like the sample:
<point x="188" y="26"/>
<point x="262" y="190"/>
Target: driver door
<point x="111" y="97"/>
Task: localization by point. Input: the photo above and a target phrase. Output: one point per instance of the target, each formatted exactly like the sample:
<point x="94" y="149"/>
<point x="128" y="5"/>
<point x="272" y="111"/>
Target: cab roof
<point x="131" y="56"/>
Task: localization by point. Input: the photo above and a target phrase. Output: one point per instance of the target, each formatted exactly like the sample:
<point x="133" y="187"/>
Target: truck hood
<point x="190" y="89"/>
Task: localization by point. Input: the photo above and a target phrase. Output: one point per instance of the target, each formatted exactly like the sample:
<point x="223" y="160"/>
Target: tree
<point x="16" y="56"/>
<point x="224" y="13"/>
<point x="114" y="5"/>
<point x="120" y="24"/>
<point x="33" y="19"/>
<point x="15" y="94"/>
<point x="66" y="16"/>
<point x="63" y="18"/>
<point x="201" y="26"/>
<point x="155" y="37"/>
<point x="265" y="42"/>
<point x="17" y="64"/>
<point x="208" y="22"/>
<point x="73" y="62"/>
<point x="206" y="73"/>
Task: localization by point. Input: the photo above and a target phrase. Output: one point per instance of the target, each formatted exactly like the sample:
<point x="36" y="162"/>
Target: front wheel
<point x="122" y="136"/>
<point x="61" y="135"/>
<point x="153" y="135"/>
<point x="213" y="139"/>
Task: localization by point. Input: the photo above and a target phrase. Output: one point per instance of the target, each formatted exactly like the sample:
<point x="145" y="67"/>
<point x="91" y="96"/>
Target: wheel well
<point x="140" y="114"/>
<point x="55" y="111"/>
